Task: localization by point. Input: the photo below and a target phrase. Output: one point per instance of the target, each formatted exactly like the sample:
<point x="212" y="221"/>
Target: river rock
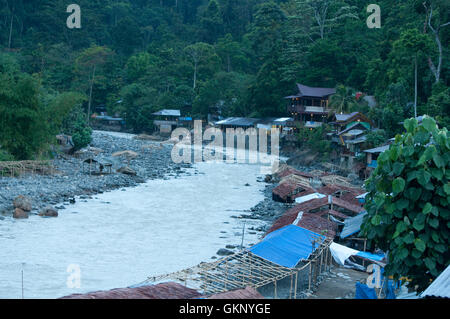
<point x="127" y="171"/>
<point x="23" y="203"/>
<point x="20" y="214"/>
<point x="224" y="252"/>
<point x="49" y="212"/>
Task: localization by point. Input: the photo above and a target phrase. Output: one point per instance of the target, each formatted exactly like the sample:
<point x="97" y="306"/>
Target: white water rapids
<point x="119" y="238"/>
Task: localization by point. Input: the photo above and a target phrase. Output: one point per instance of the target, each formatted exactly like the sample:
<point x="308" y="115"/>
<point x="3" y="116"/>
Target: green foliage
<point x="5" y="156"/>
<point x="24" y="130"/>
<point x="315" y="140"/>
<point x="176" y="53"/>
<point x="74" y="124"/>
<point x="375" y="138"/>
<point x="138" y="104"/>
<point x="408" y="203"/>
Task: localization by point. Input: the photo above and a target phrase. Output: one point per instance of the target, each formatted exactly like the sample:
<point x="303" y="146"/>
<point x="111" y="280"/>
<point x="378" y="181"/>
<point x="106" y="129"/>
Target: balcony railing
<point x="313" y="124"/>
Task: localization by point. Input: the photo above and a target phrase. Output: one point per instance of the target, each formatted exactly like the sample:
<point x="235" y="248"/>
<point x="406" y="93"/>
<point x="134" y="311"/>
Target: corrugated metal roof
<point x="352" y="225"/>
<point x="440" y="287"/>
<point x="247" y="293"/>
<point x="315" y="91"/>
<point x="238" y="121"/>
<point x="169" y="290"/>
<point x="379" y="149"/>
<point x="344" y="117"/>
<point x="317" y="224"/>
<point x="168" y="113"/>
<point x="291" y="214"/>
<point x="351" y="127"/>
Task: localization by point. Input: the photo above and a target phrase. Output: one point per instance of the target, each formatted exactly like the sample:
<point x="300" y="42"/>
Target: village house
<point x="309" y="105"/>
<point x="237" y="122"/>
<point x="166" y="121"/>
<point x="349" y="136"/>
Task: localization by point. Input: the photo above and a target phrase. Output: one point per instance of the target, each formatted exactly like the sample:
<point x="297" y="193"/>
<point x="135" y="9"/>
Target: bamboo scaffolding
<point x="245" y="269"/>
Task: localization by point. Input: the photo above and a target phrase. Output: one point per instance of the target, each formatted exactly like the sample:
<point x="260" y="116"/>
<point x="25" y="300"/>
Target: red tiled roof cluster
<point x="291" y="214"/>
<point x="170" y="290"/>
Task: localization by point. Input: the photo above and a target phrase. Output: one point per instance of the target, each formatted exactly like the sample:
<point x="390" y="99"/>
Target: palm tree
<point x="343" y="99"/>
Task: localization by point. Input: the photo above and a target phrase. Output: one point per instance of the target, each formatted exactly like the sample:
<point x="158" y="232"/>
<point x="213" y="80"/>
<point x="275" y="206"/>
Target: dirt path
<point x="339" y="285"/>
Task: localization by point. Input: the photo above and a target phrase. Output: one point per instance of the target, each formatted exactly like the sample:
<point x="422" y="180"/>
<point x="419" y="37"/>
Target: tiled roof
<point x="314" y="91"/>
<point x="291" y="214"/>
<point x="168" y="290"/>
<point x="247" y="293"/>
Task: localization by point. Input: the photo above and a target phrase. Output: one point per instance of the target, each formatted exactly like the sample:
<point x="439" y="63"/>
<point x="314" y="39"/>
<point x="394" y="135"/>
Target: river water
<point x="119" y="238"/>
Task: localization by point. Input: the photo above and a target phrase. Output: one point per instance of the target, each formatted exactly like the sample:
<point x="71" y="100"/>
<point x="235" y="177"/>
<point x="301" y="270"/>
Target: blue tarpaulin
<point x="370" y="256"/>
<point x="287" y="246"/>
<point x="364" y="292"/>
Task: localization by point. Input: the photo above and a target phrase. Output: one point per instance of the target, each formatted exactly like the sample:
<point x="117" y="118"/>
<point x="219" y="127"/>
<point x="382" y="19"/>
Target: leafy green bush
<point x="5" y="156"/>
<point x="408" y="203"/>
<point x="375" y="138"/>
<point x="75" y="125"/>
<point x="315" y="139"/>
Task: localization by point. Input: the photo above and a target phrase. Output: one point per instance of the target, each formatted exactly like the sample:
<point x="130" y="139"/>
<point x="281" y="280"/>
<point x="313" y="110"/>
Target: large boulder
<point x="49" y="212"/>
<point x="23" y="203"/>
<point x="224" y="252"/>
<point x="127" y="171"/>
<point x="20" y="214"/>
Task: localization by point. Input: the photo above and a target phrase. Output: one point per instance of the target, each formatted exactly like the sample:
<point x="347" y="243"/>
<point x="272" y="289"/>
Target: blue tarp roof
<point x="370" y="256"/>
<point x="287" y="246"/>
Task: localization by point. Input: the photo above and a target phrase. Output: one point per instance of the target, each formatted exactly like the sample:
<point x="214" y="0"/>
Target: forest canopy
<point x="240" y="57"/>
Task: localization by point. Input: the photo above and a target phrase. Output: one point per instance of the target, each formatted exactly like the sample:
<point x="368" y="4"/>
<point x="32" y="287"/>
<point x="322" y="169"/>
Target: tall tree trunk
<point x="195" y="75"/>
<point x="436" y="70"/>
<point x="10" y="30"/>
<point x="415" y="86"/>
<point x="90" y="96"/>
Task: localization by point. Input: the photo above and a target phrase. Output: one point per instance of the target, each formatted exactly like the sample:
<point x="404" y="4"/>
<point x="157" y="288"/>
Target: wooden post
<point x="310" y="276"/>
<point x="275" y="294"/>
<point x="321" y="262"/>
<point x="296" y="280"/>
<point x="365" y="245"/>
<point x="290" y="288"/>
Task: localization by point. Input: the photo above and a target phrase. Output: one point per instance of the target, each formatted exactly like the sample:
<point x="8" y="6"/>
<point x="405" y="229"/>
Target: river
<point x="119" y="238"/>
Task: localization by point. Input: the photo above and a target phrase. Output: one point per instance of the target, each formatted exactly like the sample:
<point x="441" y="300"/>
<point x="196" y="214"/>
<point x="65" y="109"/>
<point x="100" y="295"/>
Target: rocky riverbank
<point x="73" y="180"/>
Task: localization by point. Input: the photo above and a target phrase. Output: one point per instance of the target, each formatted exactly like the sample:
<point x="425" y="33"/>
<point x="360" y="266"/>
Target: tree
<point x="408" y="202"/>
<point x="88" y="62"/>
<point x="199" y="53"/>
<point x="436" y="70"/>
<point x="231" y="53"/>
<point x="343" y="99"/>
<point x="73" y="121"/>
<point x="212" y="22"/>
<point x="412" y="44"/>
<point x="375" y="138"/>
<point x="27" y="126"/>
<point x="325" y="14"/>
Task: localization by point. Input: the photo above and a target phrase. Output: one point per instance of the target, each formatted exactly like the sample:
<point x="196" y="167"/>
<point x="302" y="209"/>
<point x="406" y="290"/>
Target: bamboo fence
<point x="19" y="168"/>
